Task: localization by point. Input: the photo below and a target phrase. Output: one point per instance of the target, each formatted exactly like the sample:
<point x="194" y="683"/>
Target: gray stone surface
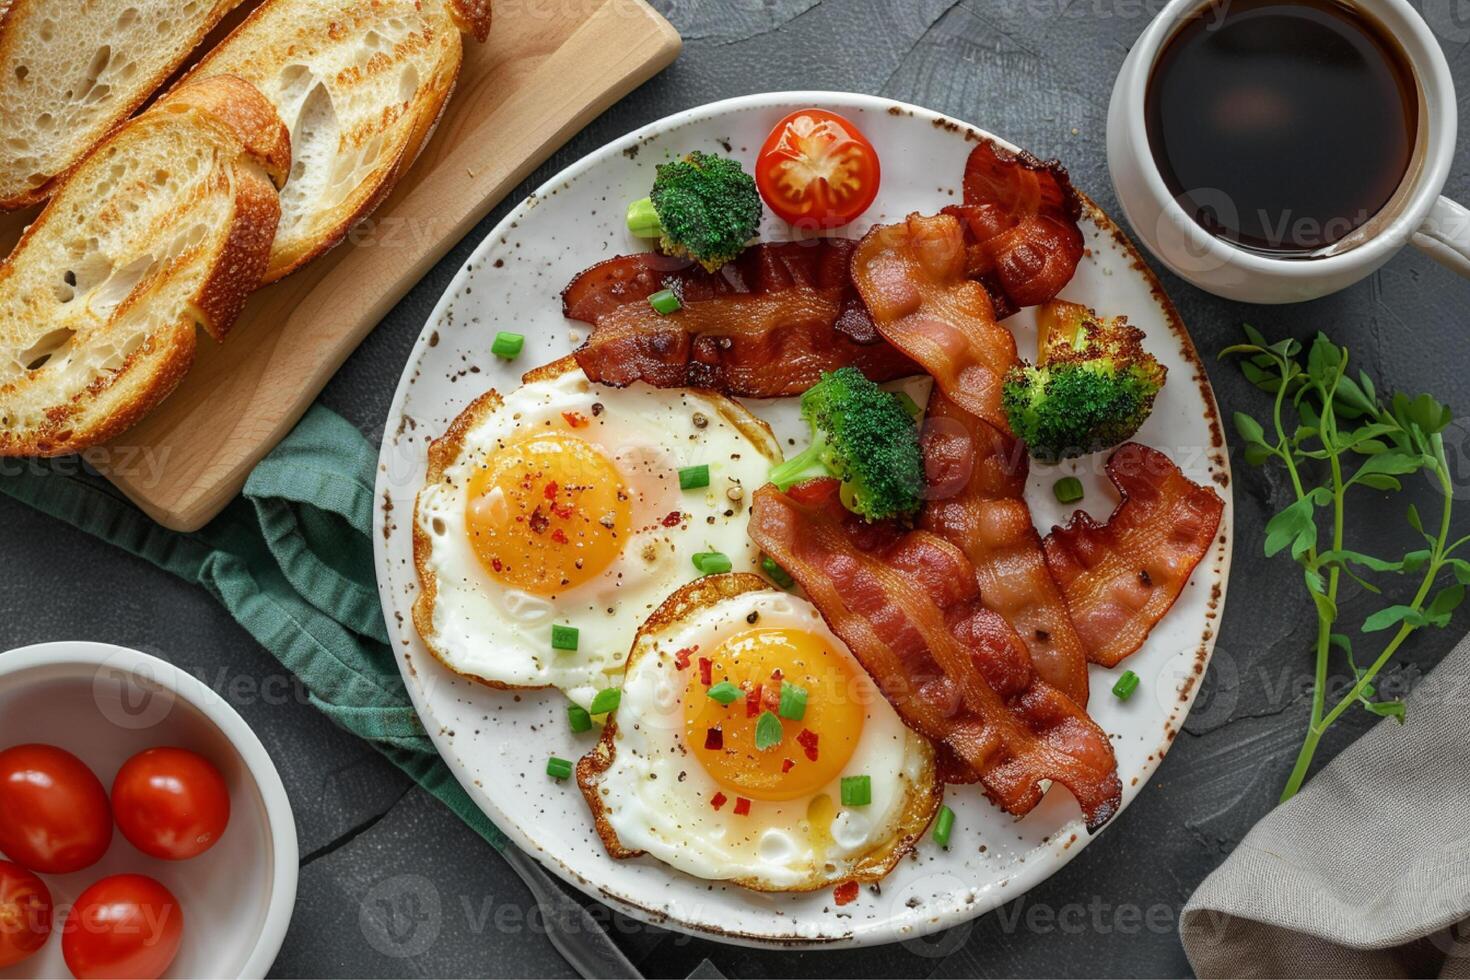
<point x="392" y="885"/>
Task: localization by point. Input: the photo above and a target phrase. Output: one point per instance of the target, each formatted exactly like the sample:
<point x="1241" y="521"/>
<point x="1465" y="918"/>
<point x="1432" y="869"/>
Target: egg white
<point x="486" y="628"/>
<point x="651" y="794"/>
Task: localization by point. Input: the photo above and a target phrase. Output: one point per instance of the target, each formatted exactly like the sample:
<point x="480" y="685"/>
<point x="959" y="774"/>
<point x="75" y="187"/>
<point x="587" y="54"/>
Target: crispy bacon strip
<point x="1120" y="578"/>
<point x="908" y="605"/>
<point x="912" y="277"/>
<point x="766" y="325"/>
<point x="1020" y="217"/>
<point x="976" y="500"/>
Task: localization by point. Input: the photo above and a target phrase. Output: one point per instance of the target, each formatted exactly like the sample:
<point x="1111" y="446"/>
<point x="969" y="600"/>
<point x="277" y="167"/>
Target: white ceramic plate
<point x="497" y="742"/>
<point x="104" y="703"/>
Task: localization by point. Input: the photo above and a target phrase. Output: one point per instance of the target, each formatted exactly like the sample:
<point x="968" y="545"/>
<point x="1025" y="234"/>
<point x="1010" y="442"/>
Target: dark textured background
<point x="1038" y="72"/>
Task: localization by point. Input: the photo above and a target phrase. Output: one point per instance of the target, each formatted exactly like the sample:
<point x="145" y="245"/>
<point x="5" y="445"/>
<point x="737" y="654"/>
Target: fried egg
<point x="553" y="522"/>
<point x="709" y="765"/>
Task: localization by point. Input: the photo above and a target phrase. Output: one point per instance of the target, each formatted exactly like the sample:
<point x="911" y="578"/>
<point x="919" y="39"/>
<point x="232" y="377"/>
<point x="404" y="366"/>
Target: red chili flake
<point x="539" y="521"/>
<point x="776" y="674"/>
<point x="673" y="519"/>
<point x="753" y="702"/>
<point x="845" y="893"/>
<point x="742" y="806"/>
<point x="718" y="800"/>
<point x="706" y="671"/>
<point x="681" y="658"/>
<point x="550" y="490"/>
<point x="495" y="564"/>
<point x="771" y="698"/>
<point x="714" y="741"/>
<point x="559" y="536"/>
<point x="787" y="765"/>
<point x="575" y="419"/>
<point x="808" y="740"/>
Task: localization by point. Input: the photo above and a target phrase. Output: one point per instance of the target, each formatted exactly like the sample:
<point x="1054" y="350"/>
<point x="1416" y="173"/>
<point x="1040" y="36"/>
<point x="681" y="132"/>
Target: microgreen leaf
<point x="1296" y="526"/>
<point x="1250" y="430"/>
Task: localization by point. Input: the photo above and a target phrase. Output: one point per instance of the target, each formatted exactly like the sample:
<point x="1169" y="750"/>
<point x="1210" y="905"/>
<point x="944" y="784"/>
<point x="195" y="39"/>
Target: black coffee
<point x="1282" y="126"/>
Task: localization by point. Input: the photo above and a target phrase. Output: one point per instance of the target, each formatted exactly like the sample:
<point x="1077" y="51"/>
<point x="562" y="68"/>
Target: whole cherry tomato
<point x="125" y="926"/>
<point x="25" y="913"/>
<point x="817" y="169"/>
<point x="170" y="803"/>
<point x="54" y="816"/>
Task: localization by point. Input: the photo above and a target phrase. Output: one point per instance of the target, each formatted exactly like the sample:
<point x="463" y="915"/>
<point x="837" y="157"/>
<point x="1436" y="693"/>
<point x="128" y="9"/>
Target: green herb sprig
<point x="1343" y="436"/>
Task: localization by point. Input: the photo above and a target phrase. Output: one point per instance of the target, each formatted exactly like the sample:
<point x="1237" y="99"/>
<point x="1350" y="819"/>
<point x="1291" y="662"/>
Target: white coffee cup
<point x="1416" y="214"/>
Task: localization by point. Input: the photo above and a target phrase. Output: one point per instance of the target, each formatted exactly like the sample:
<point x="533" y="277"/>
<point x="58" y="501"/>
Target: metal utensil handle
<point x="583" y="943"/>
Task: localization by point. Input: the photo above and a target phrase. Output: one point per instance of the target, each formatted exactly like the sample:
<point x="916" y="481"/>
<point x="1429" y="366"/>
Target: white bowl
<point x="103" y="703"/>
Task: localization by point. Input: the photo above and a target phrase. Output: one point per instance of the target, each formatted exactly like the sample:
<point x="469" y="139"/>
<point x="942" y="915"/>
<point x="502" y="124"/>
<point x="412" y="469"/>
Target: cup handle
<point x="1445" y="236"/>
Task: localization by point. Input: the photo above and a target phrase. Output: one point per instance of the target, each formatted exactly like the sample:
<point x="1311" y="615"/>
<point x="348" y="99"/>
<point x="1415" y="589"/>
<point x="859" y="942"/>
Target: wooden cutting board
<point x="546" y="71"/>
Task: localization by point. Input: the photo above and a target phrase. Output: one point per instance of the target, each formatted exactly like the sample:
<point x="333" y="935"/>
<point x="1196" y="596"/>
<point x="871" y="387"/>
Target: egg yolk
<point x="548" y="513"/>
<point x="723" y="738"/>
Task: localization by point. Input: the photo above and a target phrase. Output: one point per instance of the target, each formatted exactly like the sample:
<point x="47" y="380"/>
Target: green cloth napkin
<point x="291" y="559"/>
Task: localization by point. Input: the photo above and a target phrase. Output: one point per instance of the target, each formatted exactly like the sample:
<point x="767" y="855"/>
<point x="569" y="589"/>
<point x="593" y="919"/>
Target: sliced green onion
<point x="793" y="701"/>
<point x="776" y="573"/>
<point x="579" y="718"/>
<point x="643" y="219"/>
<point x="508" y="345"/>
<point x="1127" y="684"/>
<point x="1068" y="490"/>
<point x="558" y="768"/>
<point x="943" y="825"/>
<point x="606" y="700"/>
<point x="664" y="301"/>
<point x="857" y="790"/>
<point x="694" y="477"/>
<point x="725" y="692"/>
<point x="768" y="731"/>
<point x="563" y="637"/>
<point x="712" y="562"/>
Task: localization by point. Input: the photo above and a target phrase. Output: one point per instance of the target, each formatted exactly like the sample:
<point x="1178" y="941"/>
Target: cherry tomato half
<point x="25" y="913"/>
<point x="54" y="816"/>
<point x="125" y="926"/>
<point x="170" y="803"/>
<point x="817" y="169"/>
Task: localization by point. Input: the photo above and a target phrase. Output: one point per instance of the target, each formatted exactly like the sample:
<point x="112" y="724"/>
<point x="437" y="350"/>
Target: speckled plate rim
<point x="1213" y="570"/>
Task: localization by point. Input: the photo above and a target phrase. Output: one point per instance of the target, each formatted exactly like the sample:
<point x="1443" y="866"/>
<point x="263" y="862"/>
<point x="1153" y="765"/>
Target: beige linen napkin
<point x="1366" y="871"/>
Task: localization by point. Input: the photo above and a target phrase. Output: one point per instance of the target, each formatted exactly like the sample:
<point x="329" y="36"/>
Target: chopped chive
<point x="793" y="701"/>
<point x="665" y="302"/>
<point x="943" y="825"/>
<point x="725" y="692"/>
<point x="1127" y="684"/>
<point x="606" y="700"/>
<point x="643" y="219"/>
<point x="558" y="768"/>
<point x="507" y="345"/>
<point x="694" y="477"/>
<point x="776" y="573"/>
<point x="857" y="790"/>
<point x="768" y="731"/>
<point x="563" y="637"/>
<point x="578" y="718"/>
<point x="712" y="562"/>
<point x="1068" y="490"/>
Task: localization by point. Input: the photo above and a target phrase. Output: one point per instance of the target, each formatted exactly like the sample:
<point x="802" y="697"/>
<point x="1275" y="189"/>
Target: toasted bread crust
<point x="472" y="17"/>
<point x="240" y="105"/>
<point x="595" y="764"/>
<point x="141" y="88"/>
<point x="115" y="400"/>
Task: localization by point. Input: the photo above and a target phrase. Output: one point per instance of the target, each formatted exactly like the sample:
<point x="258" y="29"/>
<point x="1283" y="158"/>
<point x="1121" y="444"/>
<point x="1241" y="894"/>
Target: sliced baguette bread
<point x="71" y="71"/>
<point x="360" y="85"/>
<point x="164" y="225"/>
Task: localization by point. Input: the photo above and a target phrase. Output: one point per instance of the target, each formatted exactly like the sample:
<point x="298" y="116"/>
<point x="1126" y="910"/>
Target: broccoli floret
<point x="1093" y="388"/>
<point x="707" y="209"/>
<point x="865" y="437"/>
